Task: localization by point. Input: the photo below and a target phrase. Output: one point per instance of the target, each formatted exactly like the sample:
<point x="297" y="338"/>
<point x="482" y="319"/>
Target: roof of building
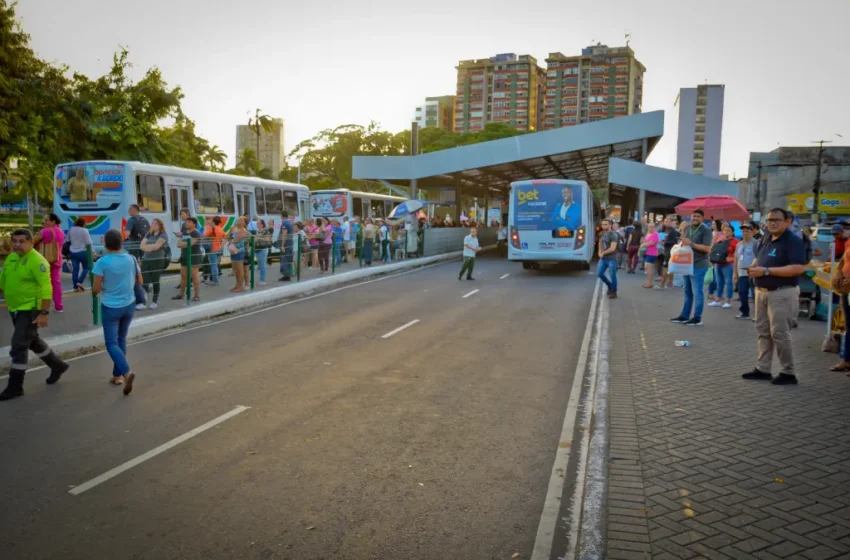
<point x="605" y="152"/>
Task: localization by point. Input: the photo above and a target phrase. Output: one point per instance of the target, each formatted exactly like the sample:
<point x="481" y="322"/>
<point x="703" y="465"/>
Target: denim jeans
<point x="337" y="254"/>
<point x="604" y="266"/>
<point x="368" y="247"/>
<point x="744" y="294"/>
<point x="140" y="293"/>
<point x="712" y="286"/>
<point x="723" y="273"/>
<point x="262" y="262"/>
<point x="214" y="258"/>
<point x="116" y="325"/>
<point x="78" y="260"/>
<point x="694" y="290"/>
<point x="286" y="260"/>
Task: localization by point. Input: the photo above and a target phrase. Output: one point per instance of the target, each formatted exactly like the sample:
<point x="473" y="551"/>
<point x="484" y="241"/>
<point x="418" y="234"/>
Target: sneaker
<point x="11" y="393"/>
<point x="470" y="278"/>
<point x="261" y="283"/>
<point x="757" y="375"/>
<point x="784" y="379"/>
<point x="56" y="374"/>
<point x="695" y="322"/>
<point x="679" y="319"/>
<point x="742" y="316"/>
<point x="153" y="306"/>
<point x="727" y="306"/>
<point x="609" y="293"/>
<point x="714" y="304"/>
<point x="612" y="295"/>
<point x="140" y="306"/>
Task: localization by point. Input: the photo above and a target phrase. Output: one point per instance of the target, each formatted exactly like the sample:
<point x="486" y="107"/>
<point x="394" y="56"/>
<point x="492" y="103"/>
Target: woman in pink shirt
<point x="52" y="234"/>
<point x="650" y="242"/>
<point x="324" y="234"/>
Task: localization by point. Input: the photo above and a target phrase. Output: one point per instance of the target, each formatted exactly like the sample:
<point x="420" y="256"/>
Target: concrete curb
<point x="91" y="340"/>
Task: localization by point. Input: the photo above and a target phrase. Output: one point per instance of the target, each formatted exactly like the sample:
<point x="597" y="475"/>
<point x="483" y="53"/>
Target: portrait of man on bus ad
<point x="550" y="207"/>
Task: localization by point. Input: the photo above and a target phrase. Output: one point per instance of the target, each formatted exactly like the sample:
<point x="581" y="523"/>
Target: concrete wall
<point x="447" y="240"/>
<point x="713" y="131"/>
<point x="687" y="129"/>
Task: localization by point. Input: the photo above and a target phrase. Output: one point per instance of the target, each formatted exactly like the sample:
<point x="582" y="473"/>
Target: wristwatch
<point x="43" y="312"/>
<point x="767" y="271"/>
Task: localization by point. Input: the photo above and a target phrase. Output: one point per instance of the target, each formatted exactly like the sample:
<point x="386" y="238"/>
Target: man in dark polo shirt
<point x="779" y="262"/>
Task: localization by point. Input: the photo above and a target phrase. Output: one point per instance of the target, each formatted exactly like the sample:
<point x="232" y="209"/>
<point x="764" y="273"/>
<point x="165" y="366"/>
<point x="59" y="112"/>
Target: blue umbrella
<point x="407" y="207"/>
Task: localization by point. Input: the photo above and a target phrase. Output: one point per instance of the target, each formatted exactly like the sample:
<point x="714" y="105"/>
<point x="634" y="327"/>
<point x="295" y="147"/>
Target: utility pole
<point x="816" y="215"/>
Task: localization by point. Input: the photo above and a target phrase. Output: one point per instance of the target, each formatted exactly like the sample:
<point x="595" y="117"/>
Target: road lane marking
<point x="77" y="490"/>
<point x="401" y="328"/>
<point x="172" y="332"/>
<point x="551" y="506"/>
<point x="503" y="276"/>
<point x="470" y="293"/>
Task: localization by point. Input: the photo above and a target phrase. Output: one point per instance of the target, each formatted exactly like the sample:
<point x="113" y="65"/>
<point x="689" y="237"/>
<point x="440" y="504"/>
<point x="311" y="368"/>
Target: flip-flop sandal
<point x="196" y="298"/>
<point x="840" y="368"/>
<point x="116" y="381"/>
<point x="177" y="297"/>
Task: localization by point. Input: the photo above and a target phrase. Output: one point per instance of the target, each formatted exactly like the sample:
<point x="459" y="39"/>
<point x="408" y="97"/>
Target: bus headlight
<point x="580" y="238"/>
<point x="515" y="238"/>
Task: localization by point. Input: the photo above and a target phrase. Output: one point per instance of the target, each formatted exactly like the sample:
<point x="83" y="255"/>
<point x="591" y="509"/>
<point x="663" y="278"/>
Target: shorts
<point x="666" y="259"/>
<point x="238" y="257"/>
<point x="650" y="259"/>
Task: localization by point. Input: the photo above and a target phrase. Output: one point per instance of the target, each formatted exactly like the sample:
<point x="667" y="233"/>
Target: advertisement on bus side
<point x="329" y="204"/>
<point x="90" y="186"/>
<point x="541" y="207"/>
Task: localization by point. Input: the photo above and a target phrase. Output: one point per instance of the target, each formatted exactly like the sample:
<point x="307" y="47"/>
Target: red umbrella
<point x="716" y="207"/>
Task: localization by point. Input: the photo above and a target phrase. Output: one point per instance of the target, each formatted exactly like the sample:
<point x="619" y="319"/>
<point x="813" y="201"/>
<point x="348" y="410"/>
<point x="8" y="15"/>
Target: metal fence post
<point x="252" y="258"/>
<point x="297" y="246"/>
<point x="188" y="250"/>
<point x="95" y="300"/>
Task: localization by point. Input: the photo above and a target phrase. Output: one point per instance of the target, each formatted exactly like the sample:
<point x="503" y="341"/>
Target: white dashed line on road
<point x="77" y="490"/>
<point x="470" y="293"/>
<point x="503" y="276"/>
<point x="401" y="328"/>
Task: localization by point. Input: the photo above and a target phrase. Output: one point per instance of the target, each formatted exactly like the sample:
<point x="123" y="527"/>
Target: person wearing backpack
<point x="135" y="231"/>
<point x="722" y="256"/>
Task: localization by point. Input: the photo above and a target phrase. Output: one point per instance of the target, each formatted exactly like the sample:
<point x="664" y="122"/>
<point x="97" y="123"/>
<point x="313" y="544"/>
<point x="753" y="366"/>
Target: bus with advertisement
<point x="101" y="192"/>
<point x="551" y="221"/>
<point x="337" y="203"/>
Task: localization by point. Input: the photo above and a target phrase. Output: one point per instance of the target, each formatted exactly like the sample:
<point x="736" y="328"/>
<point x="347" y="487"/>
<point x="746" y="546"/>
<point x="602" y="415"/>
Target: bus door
<point x="243" y="203"/>
<point x="179" y="198"/>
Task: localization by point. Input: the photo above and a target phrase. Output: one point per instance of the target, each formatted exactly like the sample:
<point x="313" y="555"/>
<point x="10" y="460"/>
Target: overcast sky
<point x="318" y="63"/>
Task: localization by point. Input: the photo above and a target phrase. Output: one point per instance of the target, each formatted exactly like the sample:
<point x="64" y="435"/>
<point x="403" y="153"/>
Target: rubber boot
<point x="56" y="365"/>
<point x="15" y="388"/>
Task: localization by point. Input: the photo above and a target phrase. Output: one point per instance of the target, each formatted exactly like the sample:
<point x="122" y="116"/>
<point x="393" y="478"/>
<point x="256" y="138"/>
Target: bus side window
<point x="207" y="197"/>
<point x="228" y="207"/>
<point x="290" y="202"/>
<point x="357" y="207"/>
<point x="150" y="193"/>
<point x="260" y="201"/>
<point x="274" y="201"/>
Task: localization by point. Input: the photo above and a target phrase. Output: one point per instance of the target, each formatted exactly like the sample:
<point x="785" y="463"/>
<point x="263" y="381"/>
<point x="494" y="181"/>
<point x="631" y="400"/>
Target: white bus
<point x="343" y="202"/>
<point x="101" y="192"/>
<point x="550" y="221"/>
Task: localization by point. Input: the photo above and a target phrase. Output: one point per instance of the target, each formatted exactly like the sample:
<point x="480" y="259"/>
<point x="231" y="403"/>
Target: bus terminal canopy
<point x="587" y="152"/>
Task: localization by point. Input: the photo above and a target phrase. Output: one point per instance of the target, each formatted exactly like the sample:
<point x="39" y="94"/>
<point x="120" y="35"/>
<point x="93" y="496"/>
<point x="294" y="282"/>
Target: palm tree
<point x="247" y="162"/>
<point x="260" y="122"/>
<point x="215" y="158"/>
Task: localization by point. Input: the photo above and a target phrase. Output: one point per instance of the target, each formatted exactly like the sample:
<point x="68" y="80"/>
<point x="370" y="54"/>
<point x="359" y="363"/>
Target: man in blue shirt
<point x="567" y="214"/>
<point x="286" y="247"/>
<point x="780" y="259"/>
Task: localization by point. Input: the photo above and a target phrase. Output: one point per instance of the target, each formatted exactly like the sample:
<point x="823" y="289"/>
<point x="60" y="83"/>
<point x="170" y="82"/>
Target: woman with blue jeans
<point x="80" y="238"/>
<point x="262" y="244"/>
<point x="724" y="271"/>
<point x="115" y="275"/>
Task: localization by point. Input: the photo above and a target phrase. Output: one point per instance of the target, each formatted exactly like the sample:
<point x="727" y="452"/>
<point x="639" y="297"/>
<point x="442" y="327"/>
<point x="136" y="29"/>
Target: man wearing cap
<point x="25" y="282"/>
<point x="745" y="254"/>
<point x="838" y="240"/>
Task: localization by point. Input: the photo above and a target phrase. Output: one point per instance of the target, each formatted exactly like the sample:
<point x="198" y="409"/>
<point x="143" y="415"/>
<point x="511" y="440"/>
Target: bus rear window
<point x="91" y="186"/>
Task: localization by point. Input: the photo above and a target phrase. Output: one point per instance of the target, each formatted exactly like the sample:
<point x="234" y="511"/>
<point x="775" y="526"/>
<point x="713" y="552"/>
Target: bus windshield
<point x="90" y="186"/>
<point x="329" y="204"/>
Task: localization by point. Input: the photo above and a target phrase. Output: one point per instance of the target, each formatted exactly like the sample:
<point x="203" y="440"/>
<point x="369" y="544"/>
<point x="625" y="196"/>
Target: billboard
<point x="831" y="203"/>
<point x="547" y="207"/>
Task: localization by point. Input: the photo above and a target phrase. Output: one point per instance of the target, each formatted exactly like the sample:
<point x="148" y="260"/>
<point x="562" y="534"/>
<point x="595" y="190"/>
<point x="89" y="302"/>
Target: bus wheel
<point x="585" y="265"/>
<point x="526" y="265"/>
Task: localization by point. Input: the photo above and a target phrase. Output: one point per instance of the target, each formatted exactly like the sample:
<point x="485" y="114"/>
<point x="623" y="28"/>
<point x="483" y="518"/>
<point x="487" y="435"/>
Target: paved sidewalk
<point x="705" y="464"/>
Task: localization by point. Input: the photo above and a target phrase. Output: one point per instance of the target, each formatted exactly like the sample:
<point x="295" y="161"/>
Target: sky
<point x="319" y="64"/>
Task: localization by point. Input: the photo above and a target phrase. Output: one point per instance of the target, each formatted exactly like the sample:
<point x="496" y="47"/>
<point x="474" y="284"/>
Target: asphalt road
<point x="436" y="442"/>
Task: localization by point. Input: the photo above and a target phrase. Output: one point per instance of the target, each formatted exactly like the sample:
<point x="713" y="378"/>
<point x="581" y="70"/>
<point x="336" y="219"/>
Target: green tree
<point x="260" y="122"/>
<point x="215" y="158"/>
<point x="248" y="165"/>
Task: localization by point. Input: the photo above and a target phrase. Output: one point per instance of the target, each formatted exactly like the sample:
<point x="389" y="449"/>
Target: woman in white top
<point x="80" y="238"/>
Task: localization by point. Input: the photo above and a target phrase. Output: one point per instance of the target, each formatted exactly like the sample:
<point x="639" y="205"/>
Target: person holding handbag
<point x="49" y="241"/>
<point x="841" y="285"/>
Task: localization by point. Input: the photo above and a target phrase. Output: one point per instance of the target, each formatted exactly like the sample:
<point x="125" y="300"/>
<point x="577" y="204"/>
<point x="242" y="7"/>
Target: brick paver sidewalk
<point x="706" y="464"/>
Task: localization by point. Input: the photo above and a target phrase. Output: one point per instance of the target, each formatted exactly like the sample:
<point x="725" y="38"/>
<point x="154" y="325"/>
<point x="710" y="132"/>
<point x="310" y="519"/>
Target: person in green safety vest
<point x="25" y="282"/>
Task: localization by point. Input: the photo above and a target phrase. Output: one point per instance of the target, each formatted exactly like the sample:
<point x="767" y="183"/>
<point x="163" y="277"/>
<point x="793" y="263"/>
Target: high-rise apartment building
<point x="436" y="112"/>
<point x="700" y="128"/>
<point x="602" y="83"/>
<point x="504" y="88"/>
<point x="272" y="154"/>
